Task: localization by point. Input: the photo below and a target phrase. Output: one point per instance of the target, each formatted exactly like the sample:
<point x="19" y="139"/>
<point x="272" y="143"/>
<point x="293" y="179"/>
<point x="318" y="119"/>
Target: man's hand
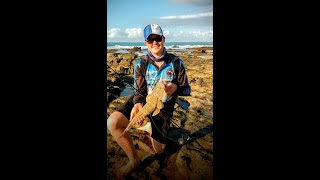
<point x="136" y="108"/>
<point x="170" y="87"/>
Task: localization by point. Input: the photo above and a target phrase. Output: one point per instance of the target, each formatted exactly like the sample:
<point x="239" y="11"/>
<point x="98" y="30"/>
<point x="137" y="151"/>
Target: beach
<point x="193" y="118"/>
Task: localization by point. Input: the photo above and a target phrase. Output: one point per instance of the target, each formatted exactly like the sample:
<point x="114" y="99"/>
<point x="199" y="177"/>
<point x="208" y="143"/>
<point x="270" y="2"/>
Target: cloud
<point x="136" y="35"/>
<point x="166" y="33"/>
<point x="201" y="34"/>
<point x="113" y="32"/>
<point x="195" y="35"/>
<point x="193" y="2"/>
<point x="200" y="19"/>
<point x="128" y="34"/>
<point x="190" y="16"/>
<point x="179" y="34"/>
<point x="134" y="32"/>
<point x="131" y="33"/>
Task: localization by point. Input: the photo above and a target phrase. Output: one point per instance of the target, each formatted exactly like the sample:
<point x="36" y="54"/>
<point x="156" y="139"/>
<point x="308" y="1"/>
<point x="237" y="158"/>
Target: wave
<point x="118" y="47"/>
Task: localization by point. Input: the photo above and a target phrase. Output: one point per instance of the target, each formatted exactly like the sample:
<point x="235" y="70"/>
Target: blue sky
<point x="180" y="20"/>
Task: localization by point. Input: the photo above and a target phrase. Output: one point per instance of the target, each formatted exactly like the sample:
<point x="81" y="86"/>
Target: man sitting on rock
<point x="160" y="67"/>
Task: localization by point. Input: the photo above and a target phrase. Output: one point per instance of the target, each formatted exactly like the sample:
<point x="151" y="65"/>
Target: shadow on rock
<point x="177" y="138"/>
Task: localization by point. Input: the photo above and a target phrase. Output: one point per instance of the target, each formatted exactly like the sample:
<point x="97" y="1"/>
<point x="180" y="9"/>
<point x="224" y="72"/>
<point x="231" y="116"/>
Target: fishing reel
<point x="183" y="140"/>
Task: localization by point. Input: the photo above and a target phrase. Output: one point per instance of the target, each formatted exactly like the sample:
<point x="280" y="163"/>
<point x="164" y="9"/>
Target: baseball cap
<point x="152" y="29"/>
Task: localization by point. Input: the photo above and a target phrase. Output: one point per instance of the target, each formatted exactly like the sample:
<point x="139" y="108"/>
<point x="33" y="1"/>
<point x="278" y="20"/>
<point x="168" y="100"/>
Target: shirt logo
<point x="170" y="73"/>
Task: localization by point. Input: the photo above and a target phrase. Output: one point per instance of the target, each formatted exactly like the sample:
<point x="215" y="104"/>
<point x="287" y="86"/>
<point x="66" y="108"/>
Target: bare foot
<point x="127" y="169"/>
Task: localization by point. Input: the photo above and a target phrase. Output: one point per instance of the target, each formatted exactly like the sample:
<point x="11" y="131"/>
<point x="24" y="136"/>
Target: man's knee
<point x="158" y="147"/>
<point x="160" y="150"/>
<point x="115" y="120"/>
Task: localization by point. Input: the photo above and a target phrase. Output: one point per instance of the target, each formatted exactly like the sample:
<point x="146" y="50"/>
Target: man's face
<point x="156" y="48"/>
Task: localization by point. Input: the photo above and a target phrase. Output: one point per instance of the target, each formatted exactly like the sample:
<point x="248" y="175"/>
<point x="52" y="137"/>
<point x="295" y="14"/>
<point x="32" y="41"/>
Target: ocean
<point x="174" y="47"/>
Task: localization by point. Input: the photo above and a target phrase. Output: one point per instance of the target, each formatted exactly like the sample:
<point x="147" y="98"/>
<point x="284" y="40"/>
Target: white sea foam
<point x="168" y="45"/>
<point x="117" y="47"/>
<point x="187" y="46"/>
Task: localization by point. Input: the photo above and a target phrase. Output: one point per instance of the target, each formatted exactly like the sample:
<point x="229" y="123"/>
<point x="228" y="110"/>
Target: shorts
<point x="159" y="123"/>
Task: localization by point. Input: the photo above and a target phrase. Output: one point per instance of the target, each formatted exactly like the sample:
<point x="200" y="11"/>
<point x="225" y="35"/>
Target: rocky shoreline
<point x="192" y="160"/>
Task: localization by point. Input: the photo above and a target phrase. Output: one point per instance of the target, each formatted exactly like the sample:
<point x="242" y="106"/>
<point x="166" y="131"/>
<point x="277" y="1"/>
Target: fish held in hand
<point x="153" y="104"/>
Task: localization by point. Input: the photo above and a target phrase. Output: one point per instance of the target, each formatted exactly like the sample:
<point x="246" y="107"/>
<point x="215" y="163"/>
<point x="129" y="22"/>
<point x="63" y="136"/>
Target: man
<point x="160" y="68"/>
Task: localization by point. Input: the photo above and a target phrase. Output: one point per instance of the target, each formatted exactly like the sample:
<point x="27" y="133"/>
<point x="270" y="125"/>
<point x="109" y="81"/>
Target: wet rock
<point x="113" y="80"/>
<point x="113" y="91"/>
<point x="111" y="51"/>
<point x="110" y="97"/>
<point x="135" y="49"/>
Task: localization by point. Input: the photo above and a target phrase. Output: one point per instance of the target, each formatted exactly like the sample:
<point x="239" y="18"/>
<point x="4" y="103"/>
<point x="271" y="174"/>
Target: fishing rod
<point x="182" y="140"/>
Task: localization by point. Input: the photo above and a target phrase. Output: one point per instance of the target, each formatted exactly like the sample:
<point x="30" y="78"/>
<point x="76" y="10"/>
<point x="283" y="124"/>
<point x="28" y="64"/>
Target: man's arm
<point x="183" y="83"/>
<point x="140" y="85"/>
<point x="141" y="92"/>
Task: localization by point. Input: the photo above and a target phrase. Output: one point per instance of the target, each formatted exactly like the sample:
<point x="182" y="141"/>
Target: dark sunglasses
<point x="157" y="38"/>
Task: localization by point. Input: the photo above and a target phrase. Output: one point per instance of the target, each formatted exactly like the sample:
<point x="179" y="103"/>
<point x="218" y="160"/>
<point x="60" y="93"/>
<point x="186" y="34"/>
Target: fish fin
<point x="160" y="104"/>
<point x="156" y="112"/>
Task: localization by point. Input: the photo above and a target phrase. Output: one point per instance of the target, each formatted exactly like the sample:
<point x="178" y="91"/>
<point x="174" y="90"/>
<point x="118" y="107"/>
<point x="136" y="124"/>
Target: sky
<point x="180" y="20"/>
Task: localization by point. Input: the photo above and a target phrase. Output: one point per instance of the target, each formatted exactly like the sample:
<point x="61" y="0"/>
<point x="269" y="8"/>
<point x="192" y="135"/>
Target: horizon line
<point x="165" y="42"/>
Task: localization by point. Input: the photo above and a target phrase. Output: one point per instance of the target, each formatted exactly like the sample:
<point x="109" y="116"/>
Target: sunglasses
<point x="157" y="38"/>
